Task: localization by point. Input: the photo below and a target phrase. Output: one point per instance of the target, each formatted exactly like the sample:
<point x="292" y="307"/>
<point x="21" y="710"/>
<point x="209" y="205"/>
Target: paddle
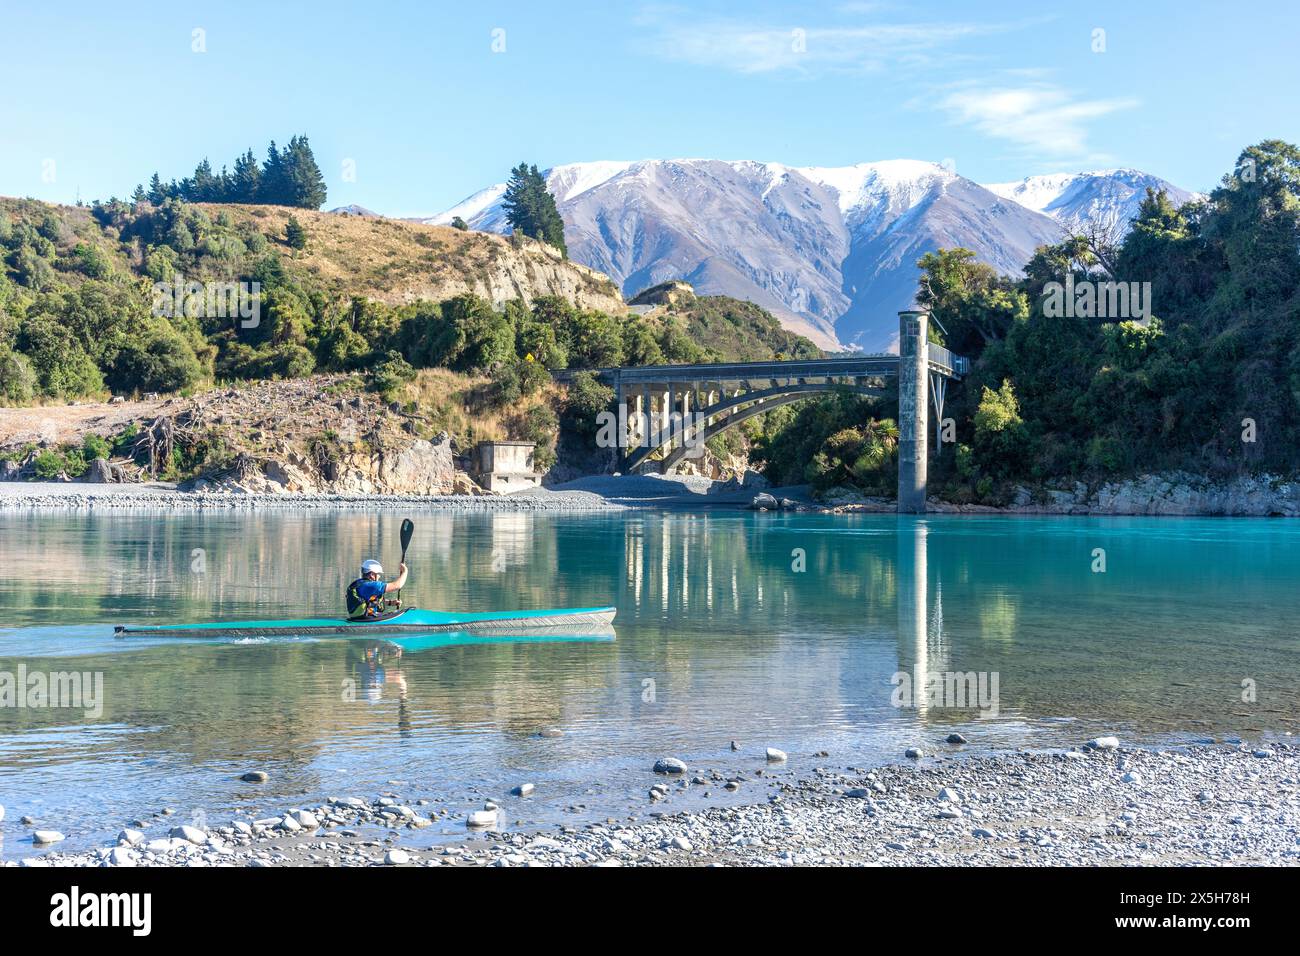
<point x="408" y="529"/>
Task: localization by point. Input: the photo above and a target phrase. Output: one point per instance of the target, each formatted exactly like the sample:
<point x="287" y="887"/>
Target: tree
<point x="246" y="181"/>
<point x="530" y="207"/>
<point x="459" y="223"/>
<point x="303" y="184"/>
<point x="294" y="234"/>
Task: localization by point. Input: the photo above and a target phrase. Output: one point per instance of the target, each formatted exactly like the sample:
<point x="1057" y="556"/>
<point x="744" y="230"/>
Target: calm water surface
<point x="782" y="631"/>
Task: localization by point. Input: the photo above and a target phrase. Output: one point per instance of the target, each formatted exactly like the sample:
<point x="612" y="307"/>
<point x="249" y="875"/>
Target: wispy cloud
<point x="1040" y="118"/>
<point x="744" y="47"/>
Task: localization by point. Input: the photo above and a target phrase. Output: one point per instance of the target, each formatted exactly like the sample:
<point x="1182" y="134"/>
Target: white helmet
<point x="368" y="567"/>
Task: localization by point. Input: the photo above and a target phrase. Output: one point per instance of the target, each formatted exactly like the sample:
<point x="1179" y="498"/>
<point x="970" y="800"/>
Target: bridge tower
<point x="913" y="409"/>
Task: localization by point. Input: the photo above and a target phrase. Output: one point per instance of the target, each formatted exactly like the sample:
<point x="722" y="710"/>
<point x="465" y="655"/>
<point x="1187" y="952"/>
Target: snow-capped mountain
<point x="830" y="250"/>
<point x="1109" y="197"/>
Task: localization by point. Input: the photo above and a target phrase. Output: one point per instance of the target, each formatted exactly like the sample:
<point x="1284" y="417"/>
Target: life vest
<point x="359" y="607"/>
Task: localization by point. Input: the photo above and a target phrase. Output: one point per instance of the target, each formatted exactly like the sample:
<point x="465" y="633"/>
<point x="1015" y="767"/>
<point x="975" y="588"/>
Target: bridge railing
<point x="945" y="358"/>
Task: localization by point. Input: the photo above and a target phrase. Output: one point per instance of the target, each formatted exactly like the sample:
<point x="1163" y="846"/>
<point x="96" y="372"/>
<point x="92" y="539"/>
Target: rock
<point x="396" y="857"/>
<point x="983" y="834"/>
<point x="1103" y="743"/>
<point x="27" y="821"/>
<point x="422" y="468"/>
<point x="763" y="502"/>
<point x="48" y="836"/>
<point x="122" y="856"/>
<point x="482" y="818"/>
<point x="99" y="472"/>
<point x="915" y="753"/>
<point x="289" y="824"/>
<point x="950" y="813"/>
<point x="189" y="834"/>
<point x="753" y="479"/>
<point x="775" y="756"/>
<point x="680" y="843"/>
<point x="1131" y="777"/>
<point x="735" y="746"/>
<point x="255" y="776"/>
<point x="306" y="819"/>
<point x="523" y="790"/>
<point x="550" y="732"/>
<point x="2" y="813"/>
<point x="858" y="793"/>
<point x="948" y="795"/>
<point x="669" y="765"/>
<point x="955" y="739"/>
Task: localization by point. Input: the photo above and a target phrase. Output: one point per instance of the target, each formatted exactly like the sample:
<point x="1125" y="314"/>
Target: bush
<point x="18" y="381"/>
<point x="48" y="464"/>
<point x="95" y="447"/>
<point x="391" y="374"/>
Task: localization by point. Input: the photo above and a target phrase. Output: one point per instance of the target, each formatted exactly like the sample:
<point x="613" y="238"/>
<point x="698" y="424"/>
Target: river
<point x="772" y="630"/>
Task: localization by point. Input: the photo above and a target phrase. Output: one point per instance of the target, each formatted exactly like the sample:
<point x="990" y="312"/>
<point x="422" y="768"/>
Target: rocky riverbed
<point x="1102" y="803"/>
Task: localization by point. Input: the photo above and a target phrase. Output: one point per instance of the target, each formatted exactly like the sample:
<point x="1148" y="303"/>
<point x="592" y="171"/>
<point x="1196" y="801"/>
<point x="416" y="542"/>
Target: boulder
<point x="753" y="479"/>
<point x="100" y="472"/>
<point x="764" y="501"/>
<point x="421" y="468"/>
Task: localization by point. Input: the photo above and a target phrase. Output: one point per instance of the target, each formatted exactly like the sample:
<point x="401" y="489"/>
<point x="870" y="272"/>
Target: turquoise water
<point x="772" y="630"/>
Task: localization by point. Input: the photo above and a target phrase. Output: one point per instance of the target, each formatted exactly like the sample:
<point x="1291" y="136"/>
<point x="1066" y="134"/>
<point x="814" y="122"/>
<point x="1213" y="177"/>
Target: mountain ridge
<point x="831" y="250"/>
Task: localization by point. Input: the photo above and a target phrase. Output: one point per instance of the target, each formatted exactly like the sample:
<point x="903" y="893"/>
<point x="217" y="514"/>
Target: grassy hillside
<point x="118" y="298"/>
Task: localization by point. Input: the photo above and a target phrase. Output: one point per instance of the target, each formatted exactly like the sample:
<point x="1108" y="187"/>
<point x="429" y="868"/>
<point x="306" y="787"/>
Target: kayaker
<point x="366" y="593"/>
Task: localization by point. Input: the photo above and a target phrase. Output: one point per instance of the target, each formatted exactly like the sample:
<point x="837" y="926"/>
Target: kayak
<point x="410" y="643"/>
<point x="409" y="621"/>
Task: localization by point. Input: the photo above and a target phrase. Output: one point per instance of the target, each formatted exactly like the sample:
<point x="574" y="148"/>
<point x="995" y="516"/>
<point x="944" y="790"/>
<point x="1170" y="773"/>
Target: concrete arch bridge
<point x="674" y="409"/>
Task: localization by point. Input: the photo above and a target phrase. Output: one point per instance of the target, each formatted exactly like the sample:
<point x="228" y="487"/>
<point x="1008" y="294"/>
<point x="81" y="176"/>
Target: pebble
<point x="255" y="776"/>
<point x="1131" y="777"/>
<point x="396" y="857"/>
<point x="775" y="756"/>
<point x="955" y="739"/>
<point x="1103" y="743"/>
<point x="481" y="818"/>
<point x="189" y="834"/>
<point x="48" y="836"/>
<point x="2" y="812"/>
<point x="523" y="790"/>
<point x="914" y="753"/>
<point x="130" y="837"/>
<point x="669" y="765"/>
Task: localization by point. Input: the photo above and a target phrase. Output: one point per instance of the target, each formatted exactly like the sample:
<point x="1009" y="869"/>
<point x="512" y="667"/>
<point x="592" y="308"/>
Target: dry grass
<point x="464" y="405"/>
<point x="394" y="261"/>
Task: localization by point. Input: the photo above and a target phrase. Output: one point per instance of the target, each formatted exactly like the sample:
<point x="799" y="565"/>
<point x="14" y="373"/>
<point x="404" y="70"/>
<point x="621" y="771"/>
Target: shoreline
<point x="1183" y="805"/>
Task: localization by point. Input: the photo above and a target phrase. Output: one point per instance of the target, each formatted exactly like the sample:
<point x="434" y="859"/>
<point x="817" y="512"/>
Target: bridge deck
<point x="863" y="366"/>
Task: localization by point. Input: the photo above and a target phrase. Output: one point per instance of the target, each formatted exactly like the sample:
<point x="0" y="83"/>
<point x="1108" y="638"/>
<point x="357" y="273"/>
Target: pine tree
<point x="272" y="191"/>
<point x="139" y="195"/>
<point x="530" y="207"/>
<point x="247" y="179"/>
<point x="294" y="234"/>
<point x="459" y="223"/>
<point x="303" y="179"/>
<point x="203" y="186"/>
<point x="157" y="191"/>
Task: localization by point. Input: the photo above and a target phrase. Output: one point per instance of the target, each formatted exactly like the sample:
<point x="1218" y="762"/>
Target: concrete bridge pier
<point x="913" y="409"/>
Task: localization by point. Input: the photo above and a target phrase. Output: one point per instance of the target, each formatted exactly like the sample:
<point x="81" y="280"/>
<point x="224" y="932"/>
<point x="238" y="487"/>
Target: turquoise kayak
<point x="409" y="621"/>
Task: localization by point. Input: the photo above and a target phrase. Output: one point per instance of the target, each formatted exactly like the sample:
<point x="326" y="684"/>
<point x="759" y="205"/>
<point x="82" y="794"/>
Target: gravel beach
<point x="1093" y="805"/>
<point x="595" y="493"/>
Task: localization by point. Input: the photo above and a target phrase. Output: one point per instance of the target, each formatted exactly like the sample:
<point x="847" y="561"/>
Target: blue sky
<point x="98" y="96"/>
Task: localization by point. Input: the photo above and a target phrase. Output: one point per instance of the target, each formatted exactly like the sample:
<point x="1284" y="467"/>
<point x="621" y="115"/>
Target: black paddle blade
<point x="408" y="529"/>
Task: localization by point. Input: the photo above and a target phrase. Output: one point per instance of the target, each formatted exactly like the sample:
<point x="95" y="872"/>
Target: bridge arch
<point x="660" y="405"/>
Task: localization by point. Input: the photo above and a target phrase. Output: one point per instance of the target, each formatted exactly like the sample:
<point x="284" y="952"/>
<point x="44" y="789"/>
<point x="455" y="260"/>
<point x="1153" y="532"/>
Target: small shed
<point x="504" y="465"/>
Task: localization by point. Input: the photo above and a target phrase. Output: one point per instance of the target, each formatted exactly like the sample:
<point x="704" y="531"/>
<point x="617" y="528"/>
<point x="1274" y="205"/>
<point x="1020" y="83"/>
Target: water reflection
<point x="775" y="629"/>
